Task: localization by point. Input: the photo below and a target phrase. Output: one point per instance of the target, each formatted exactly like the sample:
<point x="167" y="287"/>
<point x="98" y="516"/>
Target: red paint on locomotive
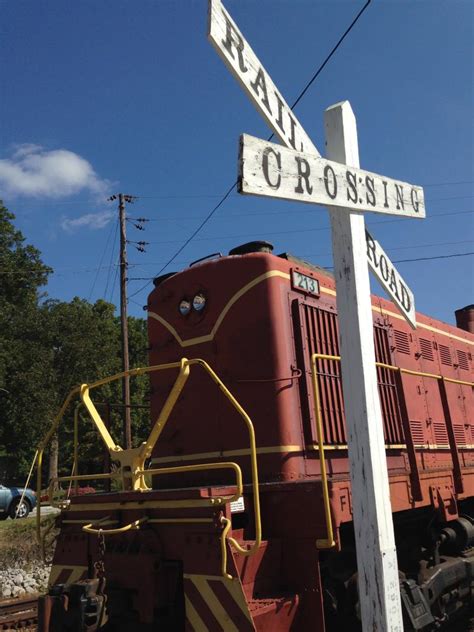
<point x="258" y="331"/>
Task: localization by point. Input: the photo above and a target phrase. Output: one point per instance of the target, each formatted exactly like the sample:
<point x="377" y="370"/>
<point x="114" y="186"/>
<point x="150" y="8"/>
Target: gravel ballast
<point x="17" y="581"/>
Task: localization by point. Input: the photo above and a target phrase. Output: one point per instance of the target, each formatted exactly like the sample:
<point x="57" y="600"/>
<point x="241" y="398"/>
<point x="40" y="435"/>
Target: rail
<point x="131" y="471"/>
<point x="328" y="542"/>
<point x="19" y="612"/>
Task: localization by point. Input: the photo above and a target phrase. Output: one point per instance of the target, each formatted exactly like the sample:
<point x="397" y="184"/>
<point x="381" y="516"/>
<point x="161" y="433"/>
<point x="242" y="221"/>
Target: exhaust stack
<point x="465" y="318"/>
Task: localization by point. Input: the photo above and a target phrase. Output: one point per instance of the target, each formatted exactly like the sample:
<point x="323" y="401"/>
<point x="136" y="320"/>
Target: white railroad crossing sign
<point x="274" y="171"/>
<point x="242" y="62"/>
<point x="342" y="190"/>
<point x="391" y="280"/>
<point x="270" y="170"/>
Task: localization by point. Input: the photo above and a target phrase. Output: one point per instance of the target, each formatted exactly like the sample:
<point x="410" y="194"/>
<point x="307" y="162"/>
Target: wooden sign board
<point x="270" y="170"/>
<point x="390" y="279"/>
<point x="236" y="53"/>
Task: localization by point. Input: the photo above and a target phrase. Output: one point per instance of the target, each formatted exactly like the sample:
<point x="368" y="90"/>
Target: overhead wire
<point x="115" y="280"/>
<point x="101" y="260"/>
<point x="257" y="213"/>
<point x="306" y="229"/>
<point x="211" y="195"/>
<point x="111" y="257"/>
<point x="457" y="254"/>
<point x="328" y="254"/>
<point x="298" y="99"/>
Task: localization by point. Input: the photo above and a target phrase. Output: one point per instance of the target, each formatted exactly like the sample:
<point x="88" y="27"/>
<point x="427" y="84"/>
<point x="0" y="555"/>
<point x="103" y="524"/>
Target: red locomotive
<point x="234" y="525"/>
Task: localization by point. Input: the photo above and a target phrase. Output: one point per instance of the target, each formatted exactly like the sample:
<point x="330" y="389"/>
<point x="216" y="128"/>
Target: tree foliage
<point x="24" y="370"/>
<point x="47" y="347"/>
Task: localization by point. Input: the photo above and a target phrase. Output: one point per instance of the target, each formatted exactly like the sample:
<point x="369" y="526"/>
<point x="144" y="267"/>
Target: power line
<point x="322" y="66"/>
<point x="445" y="184"/>
<point x="300" y="209"/>
<point x="298" y="99"/>
<point x="299" y="230"/>
<point x="111" y="258"/>
<point x="209" y="195"/>
<point x="205" y="220"/>
<point x="101" y="260"/>
<point x="112" y="290"/>
<point x="459" y="254"/>
<point x="135" y="302"/>
<point x="74" y="270"/>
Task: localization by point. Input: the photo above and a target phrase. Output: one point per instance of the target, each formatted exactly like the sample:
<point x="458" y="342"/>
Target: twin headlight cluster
<point x="198" y="303"/>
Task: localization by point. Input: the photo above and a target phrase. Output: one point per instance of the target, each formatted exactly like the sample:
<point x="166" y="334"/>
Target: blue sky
<point x="105" y="96"/>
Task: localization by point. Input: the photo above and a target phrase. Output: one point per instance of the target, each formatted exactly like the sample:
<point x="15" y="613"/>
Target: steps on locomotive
<point x="176" y="530"/>
<point x="273" y="613"/>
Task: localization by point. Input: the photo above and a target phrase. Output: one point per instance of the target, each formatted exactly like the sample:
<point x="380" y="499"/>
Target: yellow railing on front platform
<point x="131" y="471"/>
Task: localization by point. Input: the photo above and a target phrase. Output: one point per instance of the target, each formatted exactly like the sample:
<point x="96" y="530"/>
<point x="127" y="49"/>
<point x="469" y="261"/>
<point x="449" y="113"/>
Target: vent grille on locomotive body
<point x="257" y="321"/>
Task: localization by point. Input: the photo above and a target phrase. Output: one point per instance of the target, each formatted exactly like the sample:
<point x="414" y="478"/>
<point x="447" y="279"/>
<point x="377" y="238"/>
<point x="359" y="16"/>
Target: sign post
<point x="346" y="190"/>
<point x="379" y="590"/>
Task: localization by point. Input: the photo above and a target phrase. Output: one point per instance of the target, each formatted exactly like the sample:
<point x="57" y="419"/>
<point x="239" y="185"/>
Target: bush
<point x="59" y="494"/>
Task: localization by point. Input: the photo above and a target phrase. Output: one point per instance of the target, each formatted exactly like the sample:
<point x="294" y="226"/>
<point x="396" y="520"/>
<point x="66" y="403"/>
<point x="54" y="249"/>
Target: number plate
<point x="304" y="283"/>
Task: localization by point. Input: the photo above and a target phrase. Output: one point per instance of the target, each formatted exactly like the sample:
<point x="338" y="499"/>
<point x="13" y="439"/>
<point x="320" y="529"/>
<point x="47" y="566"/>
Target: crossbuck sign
<point x="242" y="62"/>
<point x="271" y="170"/>
<point x="297" y="172"/>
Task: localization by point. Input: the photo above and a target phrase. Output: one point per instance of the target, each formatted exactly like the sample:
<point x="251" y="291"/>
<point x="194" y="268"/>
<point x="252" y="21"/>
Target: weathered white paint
<point x="376" y="554"/>
<point x="231" y="45"/>
<point x="375" y="543"/>
<point x="235" y="51"/>
<point x="270" y="170"/>
<point x="390" y="279"/>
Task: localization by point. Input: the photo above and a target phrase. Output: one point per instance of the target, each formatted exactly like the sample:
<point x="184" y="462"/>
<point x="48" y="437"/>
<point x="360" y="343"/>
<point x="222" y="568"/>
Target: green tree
<point x="84" y="341"/>
<point x="47" y="347"/>
<point x="24" y="372"/>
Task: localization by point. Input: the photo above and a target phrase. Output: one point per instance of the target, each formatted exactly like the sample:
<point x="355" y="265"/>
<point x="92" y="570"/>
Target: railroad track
<point x="19" y="613"/>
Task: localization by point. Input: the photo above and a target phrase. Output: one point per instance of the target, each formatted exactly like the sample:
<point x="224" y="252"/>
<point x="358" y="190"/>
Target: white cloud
<point x="35" y="172"/>
<point x="89" y="220"/>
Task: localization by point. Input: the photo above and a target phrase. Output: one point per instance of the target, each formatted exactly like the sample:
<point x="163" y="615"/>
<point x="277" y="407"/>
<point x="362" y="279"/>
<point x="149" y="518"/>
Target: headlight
<point x="199" y="302"/>
<point x="184" y="307"/>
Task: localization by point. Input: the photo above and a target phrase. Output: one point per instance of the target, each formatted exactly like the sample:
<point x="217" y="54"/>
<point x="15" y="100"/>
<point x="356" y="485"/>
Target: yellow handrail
<point x="132" y="526"/>
<point x="227" y="525"/>
<point x="435" y="376"/>
<point x="222" y="465"/>
<point x="253" y="462"/>
<point x="62" y="503"/>
<point x="39" y="460"/>
<point x="132" y="461"/>
<point x="329" y="542"/>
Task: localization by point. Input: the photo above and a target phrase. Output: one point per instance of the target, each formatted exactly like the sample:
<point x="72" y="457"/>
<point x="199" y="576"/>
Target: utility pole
<point x="127" y="424"/>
